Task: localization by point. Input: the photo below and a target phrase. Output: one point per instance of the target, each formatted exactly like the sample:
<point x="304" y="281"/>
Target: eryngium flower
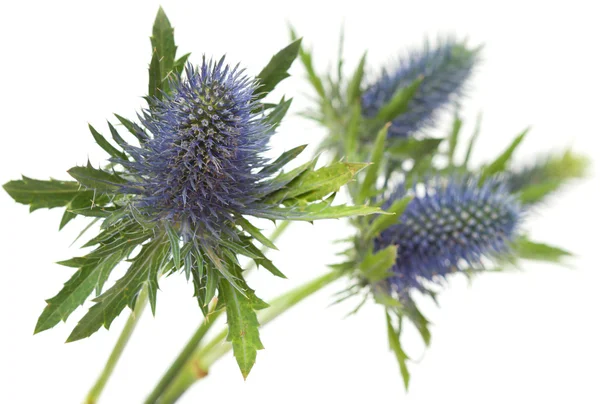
<point x="444" y="70"/>
<point x="201" y="164"/>
<point x="450" y="228"/>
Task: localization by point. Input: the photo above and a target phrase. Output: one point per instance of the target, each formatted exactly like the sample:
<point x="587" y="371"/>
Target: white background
<point x="520" y="337"/>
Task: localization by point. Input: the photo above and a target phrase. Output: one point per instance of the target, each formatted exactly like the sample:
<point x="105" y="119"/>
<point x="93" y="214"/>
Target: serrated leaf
<point x="382" y="222"/>
<point x="243" y="325"/>
<point x="163" y="51"/>
<point x="104" y="144"/>
<point x="317" y="211"/>
<point x="375" y="267"/>
<point x="42" y="194"/>
<point x="369" y="182"/>
<point x="110" y="304"/>
<point x="77" y="289"/>
<point x="396" y="347"/>
<point x="277" y="69"/>
<point x="97" y="179"/>
<point x="314" y="185"/>
<point x="282" y="160"/>
<point x="398" y="104"/>
<point x="283" y="179"/>
<point x="532" y="250"/>
<point x="499" y="164"/>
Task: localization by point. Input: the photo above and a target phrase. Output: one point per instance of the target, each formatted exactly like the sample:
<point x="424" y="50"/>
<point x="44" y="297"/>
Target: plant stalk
<point x="198" y="363"/>
<point x="115" y="355"/>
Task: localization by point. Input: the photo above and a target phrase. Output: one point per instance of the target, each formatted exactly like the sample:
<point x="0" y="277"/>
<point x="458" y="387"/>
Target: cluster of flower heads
<point x="202" y="162"/>
<point x="454" y="224"/>
<point x="444" y="70"/>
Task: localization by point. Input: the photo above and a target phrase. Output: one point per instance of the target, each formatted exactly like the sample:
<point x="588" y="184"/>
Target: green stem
<point x="182" y="358"/>
<point x="193" y="343"/>
<point x="117" y="351"/>
<point x="196" y="367"/>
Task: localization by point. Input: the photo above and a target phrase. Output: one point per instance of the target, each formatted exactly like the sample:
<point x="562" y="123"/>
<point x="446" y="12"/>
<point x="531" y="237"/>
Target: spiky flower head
<point x="201" y="164"/>
<point x="444" y="69"/>
<point x="450" y="227"/>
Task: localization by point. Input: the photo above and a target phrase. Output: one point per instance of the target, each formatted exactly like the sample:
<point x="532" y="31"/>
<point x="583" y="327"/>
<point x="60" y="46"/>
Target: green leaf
<point x="103" y="143"/>
<point x="398" y="104"/>
<point x="314" y="185"/>
<point x="133" y="128"/>
<point x="369" y="182"/>
<point x="351" y="137"/>
<point x="154" y="78"/>
<point x="77" y="289"/>
<point x="531" y="250"/>
<point x="163" y="54"/>
<point x="97" y="179"/>
<point x="354" y="85"/>
<point x="278" y="113"/>
<point x="395" y="346"/>
<point x="43" y="194"/>
<point x="174" y="241"/>
<point x="414" y="148"/>
<point x="306" y="59"/>
<point x="500" y="163"/>
<point x="277" y="69"/>
<point x="263" y="261"/>
<point x="283" y="179"/>
<point x="243" y="324"/>
<point x="537" y="192"/>
<point x="453" y="138"/>
<point x="472" y="141"/>
<point x="124" y="292"/>
<point x="282" y="160"/>
<point x="226" y="270"/>
<point x="375" y="267"/>
<point x="419" y="320"/>
<point x="180" y="64"/>
<point x="116" y="137"/>
<point x="66" y="218"/>
<point x="255" y="232"/>
<point x="382" y="222"/>
<point x="317" y="211"/>
<point x="212" y="282"/>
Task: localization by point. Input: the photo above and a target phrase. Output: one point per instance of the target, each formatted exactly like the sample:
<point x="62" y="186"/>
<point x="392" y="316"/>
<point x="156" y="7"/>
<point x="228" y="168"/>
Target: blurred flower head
<point x="449" y="227"/>
<point x="201" y="164"/>
<point x="444" y="69"/>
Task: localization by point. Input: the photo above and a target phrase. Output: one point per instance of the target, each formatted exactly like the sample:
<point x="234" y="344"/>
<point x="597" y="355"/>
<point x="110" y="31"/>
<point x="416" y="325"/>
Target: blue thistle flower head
<point x="200" y="165"/>
<point x="444" y="69"/>
<point x="453" y="225"/>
